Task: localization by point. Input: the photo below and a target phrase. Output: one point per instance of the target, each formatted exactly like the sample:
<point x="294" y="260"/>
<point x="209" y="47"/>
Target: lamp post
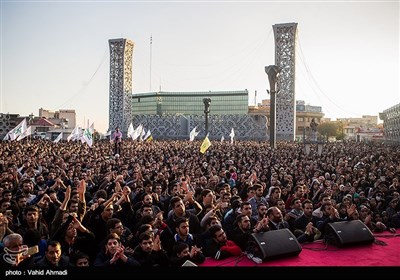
<point x="272" y="72"/>
<point x="342" y="130"/>
<point x="206" y="102"/>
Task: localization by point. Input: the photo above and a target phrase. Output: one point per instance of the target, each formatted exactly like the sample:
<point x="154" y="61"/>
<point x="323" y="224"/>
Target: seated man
<point x="149" y="252"/>
<point x="221" y="248"/>
<point x="114" y="254"/>
<point x="182" y="235"/>
<point x="181" y="254"/>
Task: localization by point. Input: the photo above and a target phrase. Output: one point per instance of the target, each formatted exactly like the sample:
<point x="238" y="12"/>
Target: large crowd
<point x="163" y="203"/>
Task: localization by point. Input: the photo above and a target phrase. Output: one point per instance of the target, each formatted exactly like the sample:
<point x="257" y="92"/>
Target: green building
<point x="190" y="103"/>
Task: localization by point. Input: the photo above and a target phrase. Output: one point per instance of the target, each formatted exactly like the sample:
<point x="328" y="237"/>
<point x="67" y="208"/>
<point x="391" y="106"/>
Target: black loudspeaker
<point x="349" y="233"/>
<point x="274" y="244"/>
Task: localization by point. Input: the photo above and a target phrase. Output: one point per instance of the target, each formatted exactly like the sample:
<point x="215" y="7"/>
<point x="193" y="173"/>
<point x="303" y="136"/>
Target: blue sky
<point x="55" y="54"/>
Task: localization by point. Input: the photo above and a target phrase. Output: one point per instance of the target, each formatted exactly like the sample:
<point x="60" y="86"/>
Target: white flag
<point x="24" y="134"/>
<point x="193" y="134"/>
<point x="232" y="135"/>
<point x="131" y="130"/>
<point x="137" y="132"/>
<point x="83" y="140"/>
<point x="108" y="135"/>
<point x="222" y="138"/>
<point x="72" y="135"/>
<point x="91" y="128"/>
<point x="58" y="139"/>
<point x="142" y="134"/>
<point x="76" y="134"/>
<point x="148" y="134"/>
<point x="17" y="131"/>
<point x="87" y="137"/>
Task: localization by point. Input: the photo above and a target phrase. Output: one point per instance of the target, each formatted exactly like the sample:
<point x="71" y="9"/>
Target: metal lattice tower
<point x="120" y="106"/>
<point x="285" y="42"/>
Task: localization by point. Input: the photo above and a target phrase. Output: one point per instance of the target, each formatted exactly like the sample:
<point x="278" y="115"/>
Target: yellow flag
<point x="150" y="138"/>
<point x="205" y="145"/>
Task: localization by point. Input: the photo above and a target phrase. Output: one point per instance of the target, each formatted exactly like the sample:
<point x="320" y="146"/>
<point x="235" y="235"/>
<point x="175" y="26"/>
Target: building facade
<point x="304" y="115"/>
<point x="172" y="115"/>
<point x="65" y="118"/>
<point x="190" y="103"/>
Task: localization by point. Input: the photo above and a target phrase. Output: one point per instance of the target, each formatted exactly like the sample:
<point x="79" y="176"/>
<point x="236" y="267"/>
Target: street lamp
<point x="341" y="122"/>
<point x="206" y="102"/>
<point x="273" y="73"/>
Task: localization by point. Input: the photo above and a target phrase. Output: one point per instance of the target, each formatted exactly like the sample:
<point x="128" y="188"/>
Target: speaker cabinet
<point x="274" y="244"/>
<point x="349" y="233"/>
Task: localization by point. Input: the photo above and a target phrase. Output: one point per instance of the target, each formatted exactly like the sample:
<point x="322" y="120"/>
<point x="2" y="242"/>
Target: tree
<point x="327" y="129"/>
<point x="339" y="131"/>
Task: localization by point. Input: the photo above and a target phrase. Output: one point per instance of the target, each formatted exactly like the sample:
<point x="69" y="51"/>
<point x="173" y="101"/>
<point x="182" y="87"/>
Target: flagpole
<point x="151" y="47"/>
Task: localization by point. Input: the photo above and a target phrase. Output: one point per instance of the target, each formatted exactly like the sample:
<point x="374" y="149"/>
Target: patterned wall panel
<point x="391" y="123"/>
<point x="120" y="111"/>
<point x="5" y="124"/>
<point x="246" y="127"/>
<point x="285" y="39"/>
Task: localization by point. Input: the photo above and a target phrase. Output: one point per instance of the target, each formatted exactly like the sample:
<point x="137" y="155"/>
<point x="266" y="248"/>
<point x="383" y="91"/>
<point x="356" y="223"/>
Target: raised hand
<point x="157" y="243"/>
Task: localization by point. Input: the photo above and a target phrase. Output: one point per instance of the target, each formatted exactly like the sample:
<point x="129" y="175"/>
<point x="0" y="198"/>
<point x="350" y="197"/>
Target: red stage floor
<point x="385" y="251"/>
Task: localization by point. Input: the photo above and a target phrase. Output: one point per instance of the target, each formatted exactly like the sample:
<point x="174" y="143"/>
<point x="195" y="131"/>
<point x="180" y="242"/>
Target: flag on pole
<point x="58" y="139"/>
<point x="222" y="138"/>
<point x="232" y="135"/>
<point x="87" y="137"/>
<point x="148" y="134"/>
<point x="91" y="128"/>
<point x="142" y="134"/>
<point x="108" y="134"/>
<point x="150" y="138"/>
<point x="75" y="134"/>
<point x="17" y="131"/>
<point x="137" y="132"/>
<point x="131" y="130"/>
<point x="24" y="134"/>
<point x="205" y="145"/>
<point x="193" y="134"/>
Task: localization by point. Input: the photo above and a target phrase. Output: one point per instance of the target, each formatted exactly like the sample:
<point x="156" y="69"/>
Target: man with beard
<point x="220" y="247"/>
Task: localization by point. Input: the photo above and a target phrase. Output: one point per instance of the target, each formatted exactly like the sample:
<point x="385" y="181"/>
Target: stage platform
<point x="385" y="252"/>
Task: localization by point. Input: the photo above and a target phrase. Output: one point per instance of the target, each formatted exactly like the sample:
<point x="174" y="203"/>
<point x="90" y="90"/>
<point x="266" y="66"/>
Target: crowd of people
<point x="163" y="203"/>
